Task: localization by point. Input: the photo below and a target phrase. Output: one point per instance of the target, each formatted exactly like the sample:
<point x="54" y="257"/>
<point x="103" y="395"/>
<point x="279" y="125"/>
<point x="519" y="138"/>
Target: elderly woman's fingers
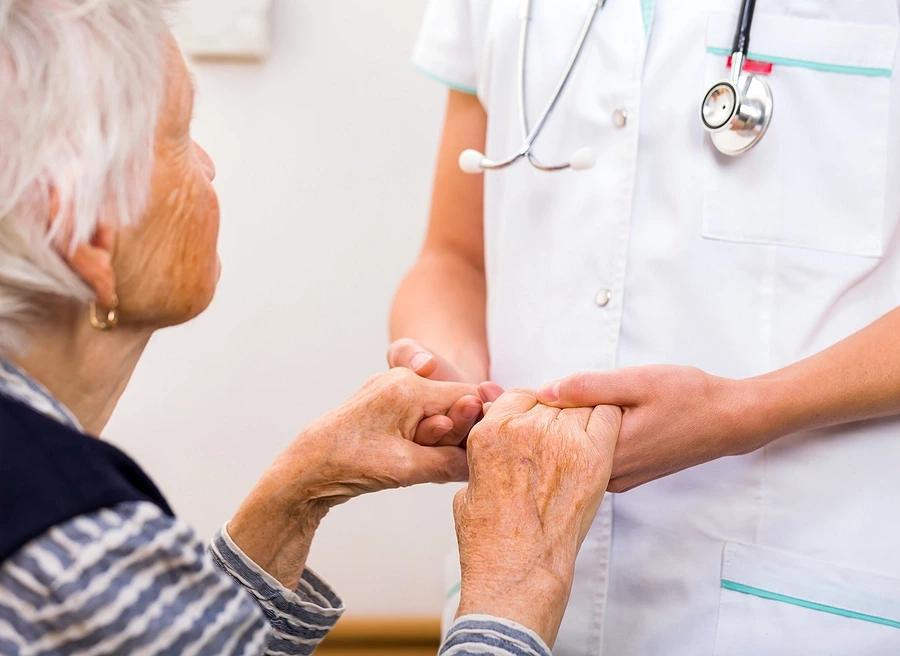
<point x="442" y="464"/>
<point x="604" y="424"/>
<point x="580" y="417"/>
<point x="437" y="397"/>
<point x="514" y="402"/>
<point x="432" y="429"/>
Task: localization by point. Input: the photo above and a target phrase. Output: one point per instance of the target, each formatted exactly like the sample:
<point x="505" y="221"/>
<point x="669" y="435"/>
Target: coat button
<point x="604" y="296"/>
<point x="620" y="118"/>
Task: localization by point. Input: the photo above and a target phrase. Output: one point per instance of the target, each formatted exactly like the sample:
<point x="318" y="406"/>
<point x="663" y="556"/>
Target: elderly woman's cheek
<point x="205" y="260"/>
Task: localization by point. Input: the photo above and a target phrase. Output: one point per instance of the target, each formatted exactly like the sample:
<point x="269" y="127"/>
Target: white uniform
<point x="737" y="266"/>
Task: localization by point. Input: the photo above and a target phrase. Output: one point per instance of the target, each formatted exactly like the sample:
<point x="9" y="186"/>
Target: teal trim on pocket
<point x="456" y="588"/>
<point x="814" y="66"/>
<point x="647" y="13"/>
<point x="472" y="91"/>
<point x="774" y="596"/>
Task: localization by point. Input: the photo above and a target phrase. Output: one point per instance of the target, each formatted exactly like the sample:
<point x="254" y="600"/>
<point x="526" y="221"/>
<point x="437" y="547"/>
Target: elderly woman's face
<point x="167" y="266"/>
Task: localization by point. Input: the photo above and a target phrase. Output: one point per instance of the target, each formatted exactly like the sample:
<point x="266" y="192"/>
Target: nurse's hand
<point x="537" y="476"/>
<point x="453" y="428"/>
<point x="673" y="418"/>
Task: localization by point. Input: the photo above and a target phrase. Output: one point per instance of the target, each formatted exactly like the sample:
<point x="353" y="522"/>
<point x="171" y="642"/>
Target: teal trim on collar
<point x="774" y="596"/>
<point x="814" y="66"/>
<point x="472" y="91"/>
<point x="647" y="12"/>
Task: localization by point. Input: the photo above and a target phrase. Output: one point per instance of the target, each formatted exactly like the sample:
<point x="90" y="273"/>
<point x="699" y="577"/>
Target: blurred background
<point x="324" y="137"/>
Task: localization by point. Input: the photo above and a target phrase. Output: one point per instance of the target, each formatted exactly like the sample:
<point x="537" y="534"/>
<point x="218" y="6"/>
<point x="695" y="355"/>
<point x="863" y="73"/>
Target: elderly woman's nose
<point x="209" y="166"/>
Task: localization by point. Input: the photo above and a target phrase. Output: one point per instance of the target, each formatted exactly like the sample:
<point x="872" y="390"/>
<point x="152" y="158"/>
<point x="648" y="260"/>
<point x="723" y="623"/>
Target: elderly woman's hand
<point x="537" y="476"/>
<point x="366" y="445"/>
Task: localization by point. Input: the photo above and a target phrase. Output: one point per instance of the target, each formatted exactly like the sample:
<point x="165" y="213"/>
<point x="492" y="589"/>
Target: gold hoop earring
<point x="112" y="315"/>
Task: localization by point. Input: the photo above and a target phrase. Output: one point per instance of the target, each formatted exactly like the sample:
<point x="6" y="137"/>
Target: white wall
<point x="325" y="155"/>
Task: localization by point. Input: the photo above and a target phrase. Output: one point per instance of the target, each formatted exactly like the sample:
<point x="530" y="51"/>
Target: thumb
<point x="409" y="353"/>
<point x="587" y="389"/>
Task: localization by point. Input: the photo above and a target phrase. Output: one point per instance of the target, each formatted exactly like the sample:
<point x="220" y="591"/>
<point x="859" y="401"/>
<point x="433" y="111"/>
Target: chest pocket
<point x="781" y="604"/>
<point x="817" y="179"/>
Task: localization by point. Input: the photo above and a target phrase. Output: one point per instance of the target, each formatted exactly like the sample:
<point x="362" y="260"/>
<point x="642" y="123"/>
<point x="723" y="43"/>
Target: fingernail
<point x="471" y="411"/>
<point x="549" y="393"/>
<point x="440" y="431"/>
<point x="419" y="360"/>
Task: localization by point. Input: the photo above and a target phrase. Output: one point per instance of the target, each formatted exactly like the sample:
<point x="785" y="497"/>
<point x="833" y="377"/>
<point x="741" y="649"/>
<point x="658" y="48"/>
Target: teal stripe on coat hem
<point x="803" y="603"/>
<point x="814" y="66"/>
<point x="456" y="588"/>
<point x="472" y="91"/>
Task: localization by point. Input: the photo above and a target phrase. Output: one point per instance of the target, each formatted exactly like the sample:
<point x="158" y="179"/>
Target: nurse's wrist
<point x="767" y="408"/>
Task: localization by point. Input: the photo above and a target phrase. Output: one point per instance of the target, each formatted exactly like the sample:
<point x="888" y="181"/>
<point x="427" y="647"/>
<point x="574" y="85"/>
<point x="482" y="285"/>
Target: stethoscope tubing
<point x="530" y="135"/>
<point x="745" y="22"/>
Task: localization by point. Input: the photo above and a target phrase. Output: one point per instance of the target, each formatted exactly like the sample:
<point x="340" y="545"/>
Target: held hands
<point x="537" y="476"/>
<point x="366" y="445"/>
<point x="451" y="428"/>
<point x="673" y="417"/>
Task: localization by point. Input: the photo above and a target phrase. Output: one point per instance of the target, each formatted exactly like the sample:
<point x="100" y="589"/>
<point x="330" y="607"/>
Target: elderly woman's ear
<point x="92" y="261"/>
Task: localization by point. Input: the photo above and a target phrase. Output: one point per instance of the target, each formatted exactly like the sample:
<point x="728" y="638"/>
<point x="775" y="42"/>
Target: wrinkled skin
<point x="537" y="477"/>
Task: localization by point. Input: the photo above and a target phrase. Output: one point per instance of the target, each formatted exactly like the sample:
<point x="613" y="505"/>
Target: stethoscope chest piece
<point x="737" y="115"/>
<point x="737" y="112"/>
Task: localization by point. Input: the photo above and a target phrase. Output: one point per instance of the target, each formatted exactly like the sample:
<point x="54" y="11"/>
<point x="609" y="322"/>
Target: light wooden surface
<point x="383" y="637"/>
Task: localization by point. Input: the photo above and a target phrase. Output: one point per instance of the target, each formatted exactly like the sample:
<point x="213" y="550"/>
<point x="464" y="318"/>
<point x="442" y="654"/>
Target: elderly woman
<point x="108" y="226"/>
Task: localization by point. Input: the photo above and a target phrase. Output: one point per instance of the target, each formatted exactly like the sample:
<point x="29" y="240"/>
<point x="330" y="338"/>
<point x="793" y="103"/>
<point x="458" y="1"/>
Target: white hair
<point x="81" y="86"/>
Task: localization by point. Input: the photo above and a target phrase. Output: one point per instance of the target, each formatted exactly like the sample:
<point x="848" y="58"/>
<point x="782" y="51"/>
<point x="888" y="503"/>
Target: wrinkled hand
<point x="674" y="418"/>
<point x="363" y="446"/>
<point x="367" y="444"/>
<point x="452" y="428"/>
<point x="537" y="476"/>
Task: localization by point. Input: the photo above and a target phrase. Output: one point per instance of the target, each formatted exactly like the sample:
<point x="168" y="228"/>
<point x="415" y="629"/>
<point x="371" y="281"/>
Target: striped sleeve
<point x="125" y="580"/>
<point x="300" y="619"/>
<point x="482" y="635"/>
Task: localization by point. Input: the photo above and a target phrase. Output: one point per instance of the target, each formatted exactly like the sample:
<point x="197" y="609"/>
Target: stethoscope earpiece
<point x="472" y="161"/>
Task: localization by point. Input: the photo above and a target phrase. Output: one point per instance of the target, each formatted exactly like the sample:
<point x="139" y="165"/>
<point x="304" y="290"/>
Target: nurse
<point x="734" y="306"/>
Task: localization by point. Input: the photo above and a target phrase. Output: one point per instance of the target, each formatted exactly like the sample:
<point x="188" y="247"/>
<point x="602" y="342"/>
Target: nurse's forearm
<point x="856" y="379"/>
<point x="441" y="303"/>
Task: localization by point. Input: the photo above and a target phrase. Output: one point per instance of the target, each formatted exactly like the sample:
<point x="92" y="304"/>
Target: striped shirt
<point x="131" y="579"/>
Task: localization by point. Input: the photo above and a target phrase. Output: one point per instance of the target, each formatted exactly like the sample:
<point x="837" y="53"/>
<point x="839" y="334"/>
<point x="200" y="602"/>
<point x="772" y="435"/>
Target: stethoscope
<point x="735" y="112"/>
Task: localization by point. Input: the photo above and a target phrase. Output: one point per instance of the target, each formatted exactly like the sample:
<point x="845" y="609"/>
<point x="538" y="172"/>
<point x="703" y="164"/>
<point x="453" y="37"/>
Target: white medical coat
<point x="737" y="266"/>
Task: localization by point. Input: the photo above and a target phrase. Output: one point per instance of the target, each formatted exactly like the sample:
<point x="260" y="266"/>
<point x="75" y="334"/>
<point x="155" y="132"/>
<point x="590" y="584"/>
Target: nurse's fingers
<point x="489" y="392"/>
<point x="432" y="429"/>
<point x="464" y="414"/>
<point x="412" y="355"/>
<point x="620" y="387"/>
